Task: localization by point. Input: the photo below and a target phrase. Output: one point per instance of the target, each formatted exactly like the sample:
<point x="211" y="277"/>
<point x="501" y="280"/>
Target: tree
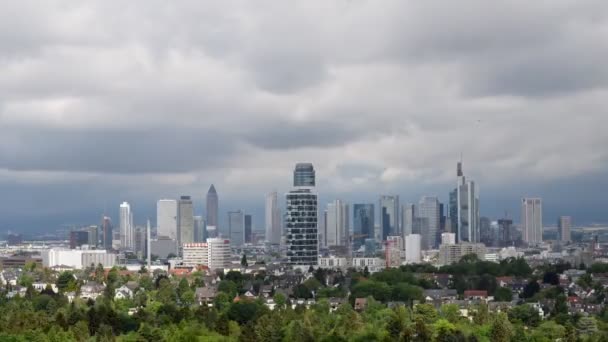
<point x="444" y="331"/>
<point x="269" y="327"/>
<point x="426" y="312"/>
<point x="280" y="300"/>
<point x="451" y="312"/>
<point x="228" y="287"/>
<point x="530" y="289"/>
<point x="65" y="281"/>
<point x="587" y="325"/>
<point x="524" y="314"/>
<point x="503" y="294"/>
<point x="165" y="293"/>
<point x="99" y="273"/>
<point x="551" y="278"/>
<point x="244" y="262"/>
<point x="501" y="330"/>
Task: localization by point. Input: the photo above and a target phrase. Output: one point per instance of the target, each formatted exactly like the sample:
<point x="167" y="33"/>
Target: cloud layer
<point x="106" y="101"/>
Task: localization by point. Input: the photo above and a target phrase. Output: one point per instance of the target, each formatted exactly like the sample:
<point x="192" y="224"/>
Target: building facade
<point x="236" y="228"/>
<point x="215" y="254"/>
<point x="564" y="225"/>
<point x="337" y="224"/>
<point x="413" y="248"/>
<point x="273" y="219"/>
<point x="363" y="224"/>
<point x="212" y="210"/>
<point x="126" y="227"/>
<point x="532" y="220"/>
<point x="428" y="208"/>
<point x="389" y="216"/>
<point x="451" y="253"/>
<point x="166" y="218"/>
<point x="467" y="229"/>
<point x="304" y="175"/>
<point x="185" y="220"/>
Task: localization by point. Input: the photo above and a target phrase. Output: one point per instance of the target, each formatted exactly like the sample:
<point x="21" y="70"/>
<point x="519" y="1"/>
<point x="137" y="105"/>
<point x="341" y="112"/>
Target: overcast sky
<point x="106" y="101"/>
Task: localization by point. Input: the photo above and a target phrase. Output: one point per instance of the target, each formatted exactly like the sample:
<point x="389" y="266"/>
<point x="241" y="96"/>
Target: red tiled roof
<point x="476" y="293"/>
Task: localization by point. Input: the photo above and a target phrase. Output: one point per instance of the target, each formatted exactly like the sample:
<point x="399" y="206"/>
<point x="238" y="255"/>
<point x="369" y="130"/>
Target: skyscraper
<point x="453" y="211"/>
<point x="564" y="223"/>
<point x="185" y="220"/>
<point x="532" y="220"/>
<point x="304" y="175"/>
<point x="337" y="225"/>
<point x="236" y="228"/>
<point x="505" y="235"/>
<point x="428" y="207"/>
<point x="166" y="218"/>
<point x="200" y="230"/>
<point x="301" y="230"/>
<point x="212" y="211"/>
<point x="468" y="209"/>
<point x="363" y="224"/>
<point x="126" y="227"/>
<point x="248" y="228"/>
<point x="273" y="219"/>
<point x="107" y="230"/>
<point x="407" y="219"/>
<point x="486" y="235"/>
<point x="389" y="216"/>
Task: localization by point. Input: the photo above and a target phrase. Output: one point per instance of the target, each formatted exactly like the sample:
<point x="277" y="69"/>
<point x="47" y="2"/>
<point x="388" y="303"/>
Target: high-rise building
<point x="428" y="208"/>
<point x="248" y="228"/>
<point x="337" y="225"/>
<point x="407" y="220"/>
<point x="453" y="211"/>
<point x="485" y="231"/>
<point x="200" y="229"/>
<point x="301" y="230"/>
<point x="467" y="209"/>
<point x="564" y="224"/>
<point x="185" y="220"/>
<point x="215" y="254"/>
<point x="166" y="218"/>
<point x="505" y="234"/>
<point x="78" y="238"/>
<point x="389" y="216"/>
<point x="93" y="236"/>
<point x="140" y="241"/>
<point x="451" y="253"/>
<point x="212" y="208"/>
<point x="363" y="224"/>
<point x="412" y="248"/>
<point x="107" y="230"/>
<point x="273" y="219"/>
<point x="532" y="220"/>
<point x="236" y="228"/>
<point x="448" y="238"/>
<point x="126" y="227"/>
<point x="304" y="175"/>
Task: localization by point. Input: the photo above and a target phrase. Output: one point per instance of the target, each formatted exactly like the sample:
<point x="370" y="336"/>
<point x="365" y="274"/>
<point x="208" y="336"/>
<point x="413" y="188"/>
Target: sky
<point x="110" y="101"/>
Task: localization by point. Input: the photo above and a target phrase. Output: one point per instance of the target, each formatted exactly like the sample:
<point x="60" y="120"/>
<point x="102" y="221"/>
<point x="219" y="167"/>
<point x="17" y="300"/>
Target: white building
<point x="127" y="238"/>
<point x="532" y="220"/>
<point x="76" y="258"/>
<point x="467" y="209"/>
<point x="337" y="224"/>
<point x="372" y="264"/>
<point x="166" y="218"/>
<point x="215" y="254"/>
<point x="451" y="253"/>
<point x="412" y="248"/>
<point x="564" y="224"/>
<point x="273" y="219"/>
<point x="407" y="220"/>
<point x="448" y="238"/>
<point x="334" y="263"/>
<point x="392" y="251"/>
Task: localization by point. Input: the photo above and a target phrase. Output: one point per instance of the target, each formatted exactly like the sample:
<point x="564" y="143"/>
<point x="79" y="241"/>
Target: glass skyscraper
<point x="363" y="224"/>
<point x="304" y="175"/>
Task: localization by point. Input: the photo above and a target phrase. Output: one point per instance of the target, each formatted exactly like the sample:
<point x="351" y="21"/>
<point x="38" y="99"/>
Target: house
<point x="205" y="295"/>
<point x="266" y="291"/>
<point x="42" y="286"/>
<point x="360" y="304"/>
<point x="504" y="281"/>
<point x="476" y="294"/>
<point x="270" y="303"/>
<point x="91" y="290"/>
<point x="335" y="303"/>
<point x="446" y="294"/>
<point x="123" y="292"/>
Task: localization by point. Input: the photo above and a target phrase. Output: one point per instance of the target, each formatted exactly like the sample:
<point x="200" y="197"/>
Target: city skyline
<point x="377" y="97"/>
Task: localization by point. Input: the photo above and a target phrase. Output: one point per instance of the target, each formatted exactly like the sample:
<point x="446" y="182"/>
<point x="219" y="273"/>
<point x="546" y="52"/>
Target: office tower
<point x="166" y="218"/>
<point x="93" y="236"/>
<point x="453" y="211"/>
<point x="428" y="207"/>
<point x="126" y="227"/>
<point x="140" y="242"/>
<point x="412" y="248"/>
<point x="107" y="230"/>
<point x="448" y="238"/>
<point x="421" y="225"/>
<point x="148" y="245"/>
<point x="505" y="234"/>
<point x="407" y="219"/>
<point x="78" y="238"/>
<point x="363" y="224"/>
<point x="236" y="228"/>
<point x="389" y="216"/>
<point x="273" y="219"/>
<point x="485" y="231"/>
<point x="532" y="220"/>
<point x="564" y="224"/>
<point x="467" y="209"/>
<point x="212" y="208"/>
<point x="185" y="220"/>
<point x="200" y="230"/>
<point x="248" y="229"/>
<point x="301" y="239"/>
<point x="304" y="175"/>
<point x="214" y="254"/>
<point x="337" y="224"/>
<point x="442" y="218"/>
<point x="392" y="251"/>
